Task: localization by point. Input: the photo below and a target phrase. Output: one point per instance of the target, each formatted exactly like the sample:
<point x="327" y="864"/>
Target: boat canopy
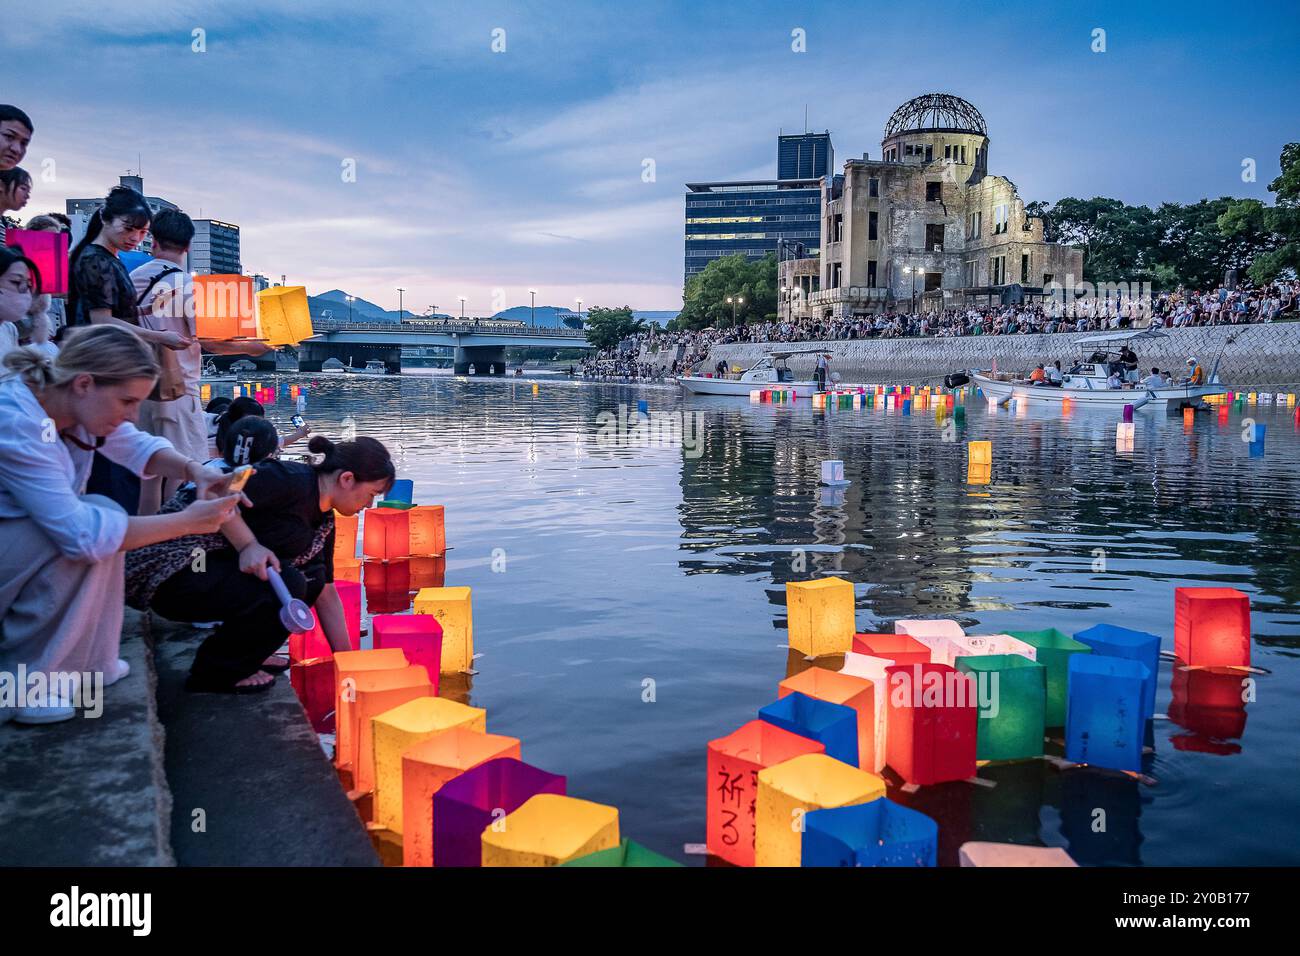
<point x="786" y="353"/>
<point x="1118" y="338"/>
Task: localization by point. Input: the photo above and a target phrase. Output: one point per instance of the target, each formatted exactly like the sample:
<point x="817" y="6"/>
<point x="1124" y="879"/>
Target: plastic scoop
<point x="295" y="615"/>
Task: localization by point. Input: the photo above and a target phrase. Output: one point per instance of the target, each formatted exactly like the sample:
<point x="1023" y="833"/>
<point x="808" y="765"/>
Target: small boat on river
<point x="772" y="369"/>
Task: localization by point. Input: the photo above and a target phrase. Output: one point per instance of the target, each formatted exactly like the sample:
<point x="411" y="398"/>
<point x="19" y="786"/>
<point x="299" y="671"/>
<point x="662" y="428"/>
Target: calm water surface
<point x="622" y="564"/>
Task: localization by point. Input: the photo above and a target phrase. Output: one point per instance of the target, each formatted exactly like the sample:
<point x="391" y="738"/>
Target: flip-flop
<point x="276" y="668"/>
<point x="204" y="688"/>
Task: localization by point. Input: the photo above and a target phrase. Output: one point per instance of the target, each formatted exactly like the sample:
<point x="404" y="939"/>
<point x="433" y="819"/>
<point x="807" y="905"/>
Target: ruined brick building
<point x="926" y="220"/>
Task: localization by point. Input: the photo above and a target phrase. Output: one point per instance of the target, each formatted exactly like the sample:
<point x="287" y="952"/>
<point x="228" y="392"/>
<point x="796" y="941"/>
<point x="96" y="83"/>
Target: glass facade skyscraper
<point x="804" y="156"/>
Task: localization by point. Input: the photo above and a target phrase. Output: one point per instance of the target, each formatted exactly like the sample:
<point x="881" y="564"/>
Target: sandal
<point x="203" y="687"/>
<point x="276" y="664"/>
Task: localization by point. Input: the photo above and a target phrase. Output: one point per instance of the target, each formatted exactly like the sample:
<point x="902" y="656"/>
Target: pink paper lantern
<point x="313" y="682"/>
<point x="419" y="636"/>
<point x="49" y="252"/>
<point x="350" y="595"/>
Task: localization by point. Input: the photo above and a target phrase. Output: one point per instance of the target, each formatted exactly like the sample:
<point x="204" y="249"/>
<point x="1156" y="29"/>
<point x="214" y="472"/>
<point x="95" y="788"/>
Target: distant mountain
<point x="335" y="302"/>
<point x="548" y="316"/>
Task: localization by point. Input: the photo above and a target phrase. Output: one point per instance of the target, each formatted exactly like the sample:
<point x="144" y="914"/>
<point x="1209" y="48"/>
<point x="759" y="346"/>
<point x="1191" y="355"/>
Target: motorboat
<point x="213" y="374"/>
<point x="772" y="369"/>
<point x="1086" y="384"/>
<point x="372" y="367"/>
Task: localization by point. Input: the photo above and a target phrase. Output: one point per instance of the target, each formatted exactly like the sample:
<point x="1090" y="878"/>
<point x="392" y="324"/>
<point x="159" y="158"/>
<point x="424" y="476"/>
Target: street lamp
<point x="399" y="304"/>
<point x="533" y="308"/>
<point x="351" y="299"/>
<point x="786" y="299"/>
<point x="462" y="307"/>
<point x="908" y="270"/>
<point x="579" y="311"/>
<point x="738" y="300"/>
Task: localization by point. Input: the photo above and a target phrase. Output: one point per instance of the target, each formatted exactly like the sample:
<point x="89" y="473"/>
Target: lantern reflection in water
<point x="388" y="586"/>
<point x="1211" y="706"/>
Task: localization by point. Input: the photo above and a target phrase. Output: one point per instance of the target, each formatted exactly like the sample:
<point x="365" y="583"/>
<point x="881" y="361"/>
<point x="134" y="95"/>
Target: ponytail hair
<point x="366" y="458"/>
<point x="110" y="354"/>
<point x="121" y="201"/>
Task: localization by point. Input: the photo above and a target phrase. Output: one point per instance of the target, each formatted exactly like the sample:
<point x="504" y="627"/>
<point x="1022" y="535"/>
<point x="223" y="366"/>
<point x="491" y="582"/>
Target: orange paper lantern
<point x="348" y="664"/>
<point x="387" y="533"/>
<point x="375" y="693"/>
<point x="427" y="536"/>
<point x="345" y="536"/>
<point x="224" y="307"/>
<point x="843" y="689"/>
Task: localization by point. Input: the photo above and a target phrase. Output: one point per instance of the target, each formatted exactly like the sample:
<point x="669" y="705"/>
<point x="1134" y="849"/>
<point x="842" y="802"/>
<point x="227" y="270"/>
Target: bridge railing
<point x="443" y="325"/>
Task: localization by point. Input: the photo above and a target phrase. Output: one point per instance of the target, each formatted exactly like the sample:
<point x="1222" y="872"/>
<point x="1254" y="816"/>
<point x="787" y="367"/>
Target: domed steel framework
<point x="936" y="112"/>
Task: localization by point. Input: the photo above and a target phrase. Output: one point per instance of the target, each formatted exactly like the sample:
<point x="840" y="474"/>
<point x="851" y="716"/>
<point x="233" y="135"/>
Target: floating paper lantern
<point x="482" y="797"/>
<point x="309" y="645"/>
<point x="283" y="315"/>
<point x="975" y="645"/>
<point x="1114" y="641"/>
<point x="396" y="731"/>
<point x="1212" y="627"/>
<point x="980" y="453"/>
<point x="430" y="764"/>
<point x="549" y="830"/>
<point x="1054" y="650"/>
<point x="1009" y="854"/>
<point x="1257" y="440"/>
<point x="627" y="853"/>
<point x="878" y="833"/>
<point x="834" y="726"/>
<point x="874" y="669"/>
<point x="313" y="682"/>
<point x="1189" y="418"/>
<point x="345" y="536"/>
<point x="347" y="665"/>
<point x="820" y="615"/>
<point x="733" y="765"/>
<point x="370" y="694"/>
<point x="1124" y="436"/>
<point x="788" y="792"/>
<point x="848" y="691"/>
<point x="48" y="252"/>
<point x="833" y="473"/>
<point x="419" y="636"/>
<point x="387" y="533"/>
<point x="427" y="535"/>
<point x="900" y="648"/>
<point x="1105" y="721"/>
<point x="452" y="607"/>
<point x="931" y="727"/>
<point x="223" y="307"/>
<point x="403" y="490"/>
<point x="1011" y="727"/>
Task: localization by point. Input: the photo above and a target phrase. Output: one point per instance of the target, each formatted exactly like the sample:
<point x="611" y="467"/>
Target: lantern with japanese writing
<point x="627" y="853"/>
<point x="877" y="833"/>
<point x="931" y="728"/>
<point x="791" y="790"/>
<point x="1054" y="651"/>
<point x="1015" y="689"/>
<point x="345" y="536"/>
<point x="426" y="767"/>
<point x="839" y="688"/>
<point x="283" y="315"/>
<point x="427" y="537"/>
<point x="401" y="728"/>
<point x="418" y="635"/>
<point x="1104" y="720"/>
<point x="313" y="682"/>
<point x="482" y="797"/>
<point x="369" y="694"/>
<point x="347" y="665"/>
<point x="975" y="645"/>
<point x="1212" y="627"/>
<point x="733" y="765"/>
<point x="387" y="533"/>
<point x="1115" y="641"/>
<point x="834" y="726"/>
<point x="224" y="307"/>
<point x="820" y="616"/>
<point x="48" y="252"/>
<point x="453" y="609"/>
<point x="549" y="829"/>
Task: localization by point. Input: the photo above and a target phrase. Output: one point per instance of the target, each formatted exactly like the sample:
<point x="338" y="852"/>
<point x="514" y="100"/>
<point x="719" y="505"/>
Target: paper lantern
<point x="1124" y="436"/>
<point x="387" y="533"/>
<point x="349" y="593"/>
<point x="452" y="608"/>
<point x="878" y="833"/>
<point x="427" y="537"/>
<point x="418" y="635"/>
<point x="975" y="645"/>
<point x="313" y="682"/>
<point x="733" y="765"/>
<point x="1104" y="721"/>
<point x="820" y="616"/>
<point x="929" y="628"/>
<point x="223" y="307"/>
<point x="1011" y="728"/>
<point x="480" y="798"/>
<point x="309" y="645"/>
<point x="1054" y="650"/>
<point x="1212" y="627"/>
<point x="834" y="726"/>
<point x="931" y="727"/>
<point x="388" y="586"/>
<point x="627" y="853"/>
<point x="403" y="489"/>
<point x="874" y="669"/>
<point x="48" y="252"/>
<point x="549" y="829"/>
<point x="345" y="536"/>
<point x="373" y="693"/>
<point x="283" y="315"/>
<point x="849" y="691"/>
<point x="788" y="792"/>
<point x="396" y="731"/>
<point x="1115" y="641"/>
<point x="899" y="648"/>
<point x="430" y="764"/>
<point x="348" y="664"/>
<point x="1009" y="854"/>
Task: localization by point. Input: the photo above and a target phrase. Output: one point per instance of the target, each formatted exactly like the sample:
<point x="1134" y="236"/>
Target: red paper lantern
<point x="899" y="648"/>
<point x="931" y="737"/>
<point x="313" y="682"/>
<point x="1212" y="627"/>
<point x="48" y="252"/>
<point x="387" y="534"/>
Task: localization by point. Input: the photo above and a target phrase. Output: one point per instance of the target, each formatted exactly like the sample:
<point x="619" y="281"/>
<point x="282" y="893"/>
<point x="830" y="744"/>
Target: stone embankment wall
<point x="1264" y="354"/>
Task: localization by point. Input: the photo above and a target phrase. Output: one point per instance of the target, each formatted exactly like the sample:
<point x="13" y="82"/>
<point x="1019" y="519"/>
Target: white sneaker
<point x="49" y="714"/>
<point x="123" y="669"/>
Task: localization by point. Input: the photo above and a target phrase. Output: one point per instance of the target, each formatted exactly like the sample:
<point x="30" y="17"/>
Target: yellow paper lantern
<point x="550" y="829"/>
<point x="396" y="731"/>
<point x="451" y="606"/>
<point x="820" y="615"/>
<point x="791" y="790"/>
<point x="283" y="315"/>
<point x="348" y="664"/>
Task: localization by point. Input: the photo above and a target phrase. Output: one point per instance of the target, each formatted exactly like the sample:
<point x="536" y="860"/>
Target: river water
<point x="606" y="574"/>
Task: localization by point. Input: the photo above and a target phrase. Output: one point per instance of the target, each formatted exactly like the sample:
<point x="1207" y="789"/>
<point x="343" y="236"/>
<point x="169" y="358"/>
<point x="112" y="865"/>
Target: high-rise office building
<point x="804" y="156"/>
<point x="215" y="249"/>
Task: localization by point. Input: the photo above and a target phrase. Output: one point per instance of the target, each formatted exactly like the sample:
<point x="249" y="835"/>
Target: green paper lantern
<point x="1054" y="650"/>
<point x="1011" y="727"/>
<point x="627" y="853"/>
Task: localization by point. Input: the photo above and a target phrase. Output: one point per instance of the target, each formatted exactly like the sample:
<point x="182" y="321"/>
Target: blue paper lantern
<point x="877" y="833"/>
<point x="832" y="725"/>
<point x="1115" y="641"/>
<point x="402" y="490"/>
<point x="1104" y="719"/>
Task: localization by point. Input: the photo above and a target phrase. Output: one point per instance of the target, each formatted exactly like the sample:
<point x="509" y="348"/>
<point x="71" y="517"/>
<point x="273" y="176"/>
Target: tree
<point x="731" y="276"/>
<point x="1280" y="222"/>
<point x="607" y="327"/>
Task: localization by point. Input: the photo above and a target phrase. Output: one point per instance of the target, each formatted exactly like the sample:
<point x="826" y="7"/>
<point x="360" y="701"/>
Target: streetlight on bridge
<point x="462" y="307"/>
<point x="533" y="308"/>
<point x="351" y="299"/>
<point x="399" y="304"/>
<point x="579" y="311"/>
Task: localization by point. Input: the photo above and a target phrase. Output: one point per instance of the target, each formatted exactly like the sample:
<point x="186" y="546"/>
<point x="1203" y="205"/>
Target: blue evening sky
<point x="481" y="173"/>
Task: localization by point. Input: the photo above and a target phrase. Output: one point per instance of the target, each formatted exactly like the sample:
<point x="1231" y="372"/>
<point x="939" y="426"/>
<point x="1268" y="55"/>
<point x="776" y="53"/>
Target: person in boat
<point x="1114" y="381"/>
<point x="1154" y="380"/>
<point x="1054" y="375"/>
<point x="1038" y="376"/>
<point x="1195" y="373"/>
<point x="823" y="370"/>
<point x="1128" y="358"/>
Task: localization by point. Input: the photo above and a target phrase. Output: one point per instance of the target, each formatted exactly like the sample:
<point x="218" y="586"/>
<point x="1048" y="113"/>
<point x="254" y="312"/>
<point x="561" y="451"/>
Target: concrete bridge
<point x="478" y="342"/>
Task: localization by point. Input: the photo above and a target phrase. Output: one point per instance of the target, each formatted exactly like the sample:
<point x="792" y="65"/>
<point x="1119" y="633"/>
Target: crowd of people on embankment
<point x="118" y="487"/>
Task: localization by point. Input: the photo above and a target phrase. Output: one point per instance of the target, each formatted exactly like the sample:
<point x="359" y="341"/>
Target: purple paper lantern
<point x="469" y="804"/>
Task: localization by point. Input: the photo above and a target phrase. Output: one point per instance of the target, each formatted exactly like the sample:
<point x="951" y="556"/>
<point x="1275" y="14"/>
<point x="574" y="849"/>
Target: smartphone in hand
<point x="240" y="478"/>
<point x="298" y="421"/>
